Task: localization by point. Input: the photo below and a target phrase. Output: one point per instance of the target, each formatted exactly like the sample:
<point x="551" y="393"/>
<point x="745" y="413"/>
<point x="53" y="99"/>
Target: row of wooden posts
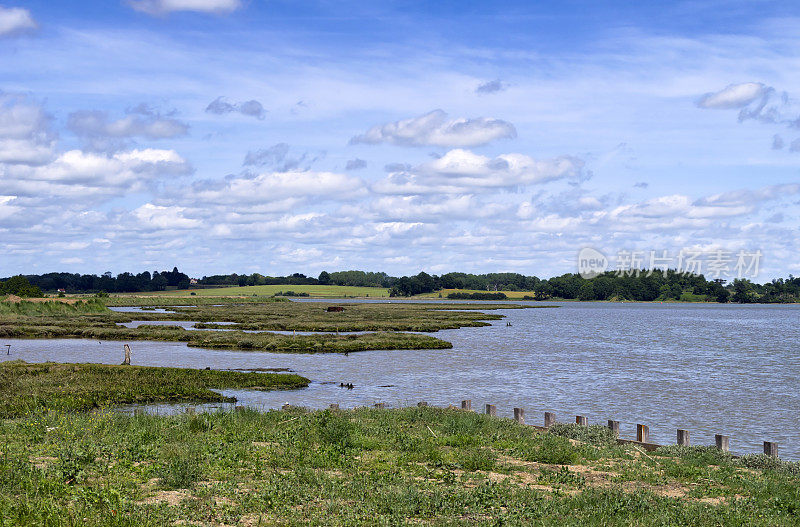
<point x="642" y="431"/>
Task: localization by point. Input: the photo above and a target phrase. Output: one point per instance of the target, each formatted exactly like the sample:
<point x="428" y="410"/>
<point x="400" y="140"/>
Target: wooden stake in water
<point x="549" y="419"/>
<point x="581" y="420"/>
<point x="466" y="404"/>
<point x="519" y="415"/>
<point x="127" y="361"/>
<point x="491" y="410"/>
<point x="722" y="442"/>
<point x="8" y="349"/>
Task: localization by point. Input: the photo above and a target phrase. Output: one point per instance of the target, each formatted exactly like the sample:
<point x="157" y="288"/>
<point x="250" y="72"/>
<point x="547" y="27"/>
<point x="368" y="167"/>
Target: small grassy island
<point x="26" y="388"/>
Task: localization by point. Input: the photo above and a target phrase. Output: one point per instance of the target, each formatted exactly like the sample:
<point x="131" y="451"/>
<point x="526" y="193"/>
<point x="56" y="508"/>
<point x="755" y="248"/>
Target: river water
<point x="728" y="369"/>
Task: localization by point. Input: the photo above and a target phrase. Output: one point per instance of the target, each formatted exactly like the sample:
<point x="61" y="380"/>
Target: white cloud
<point x="734" y="96"/>
<point x="15" y="20"/>
<point x="79" y="174"/>
<point x="152" y="216"/>
<point x="161" y="7"/>
<point x="462" y="170"/>
<point x="435" y="129"/>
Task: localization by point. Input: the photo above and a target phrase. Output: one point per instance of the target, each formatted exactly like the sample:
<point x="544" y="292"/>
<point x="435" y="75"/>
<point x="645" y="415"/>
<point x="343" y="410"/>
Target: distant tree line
<point x="122" y="283"/>
<point x="641" y="286"/>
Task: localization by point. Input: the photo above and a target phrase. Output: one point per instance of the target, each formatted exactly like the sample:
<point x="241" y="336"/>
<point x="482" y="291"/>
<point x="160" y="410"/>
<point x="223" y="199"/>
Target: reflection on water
<point x="707" y="368"/>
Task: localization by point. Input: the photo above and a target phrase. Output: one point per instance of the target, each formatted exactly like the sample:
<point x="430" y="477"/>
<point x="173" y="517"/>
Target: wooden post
<point x="643" y="433"/>
<point x="722" y="442"/>
<point x="614" y="427"/>
<point x="422" y="404"/>
<point x="466" y="404"/>
<point x="8" y="349"/>
<point x="127" y="361"/>
<point x="491" y="410"/>
<point x="771" y="448"/>
<point x="239" y="408"/>
<point x="683" y="437"/>
<point x="380" y="405"/>
<point x="549" y="419"/>
<point x="581" y="420"/>
<point x="519" y="415"/>
<point x="334" y="406"/>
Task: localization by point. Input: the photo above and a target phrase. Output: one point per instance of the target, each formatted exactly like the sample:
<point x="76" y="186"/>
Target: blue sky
<point x="277" y="137"/>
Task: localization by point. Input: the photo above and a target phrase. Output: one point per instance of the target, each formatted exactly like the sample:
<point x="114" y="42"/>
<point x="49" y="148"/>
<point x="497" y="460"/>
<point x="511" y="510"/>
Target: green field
<point x="318" y="291"/>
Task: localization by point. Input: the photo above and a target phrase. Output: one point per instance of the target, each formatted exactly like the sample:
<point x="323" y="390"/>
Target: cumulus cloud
<point x="756" y="101"/>
<point x="355" y="164"/>
<point x="162" y="7"/>
<point x="252" y="108"/>
<point x="15" y="21"/>
<point x="26" y="136"/>
<point x="97" y="125"/>
<point x="462" y="170"/>
<point x="81" y="175"/>
<point x="435" y="129"/>
<point x="734" y="96"/>
<point x="490" y="87"/>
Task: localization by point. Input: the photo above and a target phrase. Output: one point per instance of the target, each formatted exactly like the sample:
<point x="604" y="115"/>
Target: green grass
<point x="30" y="387"/>
<point x="317" y="291"/>
<point x="27" y="308"/>
<point x="363" y="467"/>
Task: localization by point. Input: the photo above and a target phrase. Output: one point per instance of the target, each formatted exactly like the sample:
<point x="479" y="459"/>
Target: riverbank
<point x="368" y="467"/>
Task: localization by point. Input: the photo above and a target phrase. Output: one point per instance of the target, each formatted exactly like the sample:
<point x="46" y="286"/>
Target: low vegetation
<point x="31" y="388"/>
<point x="363" y="467"/>
<point x="249" y="324"/>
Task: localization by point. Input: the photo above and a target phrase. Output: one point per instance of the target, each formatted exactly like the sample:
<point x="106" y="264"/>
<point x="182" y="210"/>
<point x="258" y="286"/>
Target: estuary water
<point x="729" y="369"/>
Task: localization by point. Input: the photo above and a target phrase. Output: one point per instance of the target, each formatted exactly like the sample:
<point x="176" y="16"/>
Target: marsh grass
<point x="360" y="467"/>
<point x="382" y="323"/>
<point x="49" y="386"/>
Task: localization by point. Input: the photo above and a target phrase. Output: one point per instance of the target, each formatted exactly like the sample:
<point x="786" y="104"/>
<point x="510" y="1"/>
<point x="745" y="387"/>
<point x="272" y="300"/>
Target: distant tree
<point x="20" y="286"/>
<point x="742" y="291"/>
<point x="324" y="278"/>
